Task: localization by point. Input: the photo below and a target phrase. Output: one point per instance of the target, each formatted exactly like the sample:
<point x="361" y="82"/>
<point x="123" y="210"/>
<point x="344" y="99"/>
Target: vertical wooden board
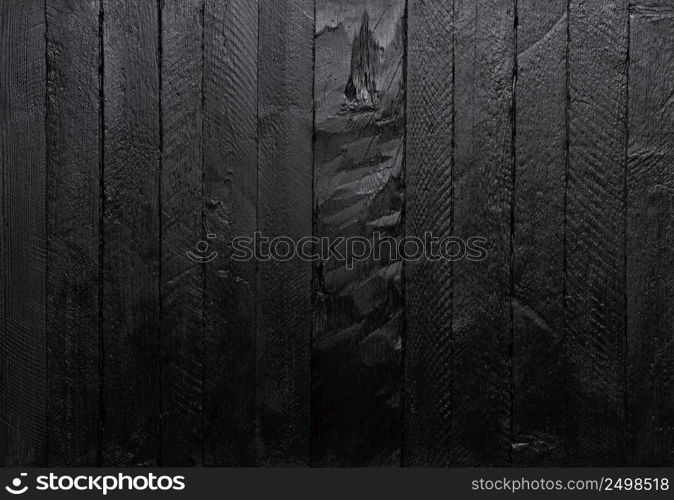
<point x="595" y="280"/>
<point x="23" y="383"/>
<point x="358" y="189"/>
<point x="5" y="429"/>
<point x="5" y="102"/>
<point x="650" y="235"/>
<point x="230" y="206"/>
<point x="538" y="235"/>
<point x="428" y="208"/>
<point x="182" y="277"/>
<point x="73" y="216"/>
<point x="131" y="233"/>
<point x="484" y="107"/>
<point x="285" y="171"/>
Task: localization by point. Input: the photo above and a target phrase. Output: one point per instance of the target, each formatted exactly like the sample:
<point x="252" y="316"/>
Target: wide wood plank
<point x="23" y="383"/>
<point x="538" y="235"/>
<point x="182" y="278"/>
<point x="484" y="107"/>
<point x="73" y="217"/>
<point x="285" y="176"/>
<point x="230" y="206"/>
<point x="650" y="235"/>
<point x="358" y="190"/>
<point x="131" y="233"/>
<point x="595" y="227"/>
<point x="428" y="208"/>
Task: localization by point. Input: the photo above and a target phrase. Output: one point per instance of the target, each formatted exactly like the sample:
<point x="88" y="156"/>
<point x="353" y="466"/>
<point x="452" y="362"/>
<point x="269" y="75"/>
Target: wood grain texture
<point x="73" y="216"/>
<point x="650" y="235"/>
<point x="230" y="206"/>
<point x="285" y="176"/>
<point x="359" y="150"/>
<point x="428" y="208"/>
<point x="182" y="280"/>
<point x="538" y="237"/>
<point x="133" y="132"/>
<point x="131" y="233"/>
<point x="23" y="383"/>
<point x="595" y="280"/>
<point x="484" y="110"/>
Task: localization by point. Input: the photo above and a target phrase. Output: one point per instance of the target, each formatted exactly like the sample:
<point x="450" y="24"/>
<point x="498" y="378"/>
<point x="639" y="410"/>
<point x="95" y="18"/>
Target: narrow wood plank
<point x="650" y="235"/>
<point x="538" y="238"/>
<point x="484" y="80"/>
<point x="285" y="176"/>
<point x="359" y="150"/>
<point x="23" y="383"/>
<point x="131" y="233"/>
<point x="595" y="304"/>
<point x="73" y="216"/>
<point x="182" y="278"/>
<point x="428" y="208"/>
<point x="5" y="430"/>
<point x="230" y="206"/>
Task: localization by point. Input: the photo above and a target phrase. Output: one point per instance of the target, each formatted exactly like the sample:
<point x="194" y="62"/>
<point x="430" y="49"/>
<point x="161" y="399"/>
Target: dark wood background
<point x="131" y="129"/>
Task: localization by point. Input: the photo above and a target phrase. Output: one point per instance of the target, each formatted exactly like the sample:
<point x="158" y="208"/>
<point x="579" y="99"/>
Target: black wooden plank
<point x="484" y="115"/>
<point x="650" y="235"/>
<point x="359" y="149"/>
<point x="5" y="430"/>
<point x="131" y="233"/>
<point x="538" y="236"/>
<point x="73" y="199"/>
<point x="23" y="384"/>
<point x="230" y="206"/>
<point x="428" y="208"/>
<point x="182" y="278"/>
<point x="285" y="179"/>
<point x="595" y="303"/>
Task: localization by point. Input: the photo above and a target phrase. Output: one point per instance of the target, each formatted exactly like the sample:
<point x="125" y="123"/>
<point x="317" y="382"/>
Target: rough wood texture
<point x="135" y="131"/>
<point x="359" y="149"/>
<point x="23" y="243"/>
<point x="484" y="108"/>
<point x="182" y="280"/>
<point x="285" y="174"/>
<point x="595" y="279"/>
<point x="131" y="233"/>
<point x="73" y="199"/>
<point x="650" y="234"/>
<point x="230" y="206"/>
<point x="428" y="208"/>
<point x="538" y="235"/>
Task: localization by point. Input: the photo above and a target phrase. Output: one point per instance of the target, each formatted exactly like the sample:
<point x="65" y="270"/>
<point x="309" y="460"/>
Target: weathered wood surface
<point x="23" y="377"/>
<point x="73" y="231"/>
<point x="538" y="235"/>
<point x="359" y="119"/>
<point x="131" y="231"/>
<point x="230" y="210"/>
<point x="595" y="233"/>
<point x="428" y="208"/>
<point x="650" y="235"/>
<point x="131" y="131"/>
<point x="483" y="182"/>
<point x="285" y="208"/>
<point x="182" y="279"/>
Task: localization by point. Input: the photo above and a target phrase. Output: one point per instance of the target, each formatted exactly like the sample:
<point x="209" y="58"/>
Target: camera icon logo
<point x="15" y="488"/>
<point x="201" y="256"/>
